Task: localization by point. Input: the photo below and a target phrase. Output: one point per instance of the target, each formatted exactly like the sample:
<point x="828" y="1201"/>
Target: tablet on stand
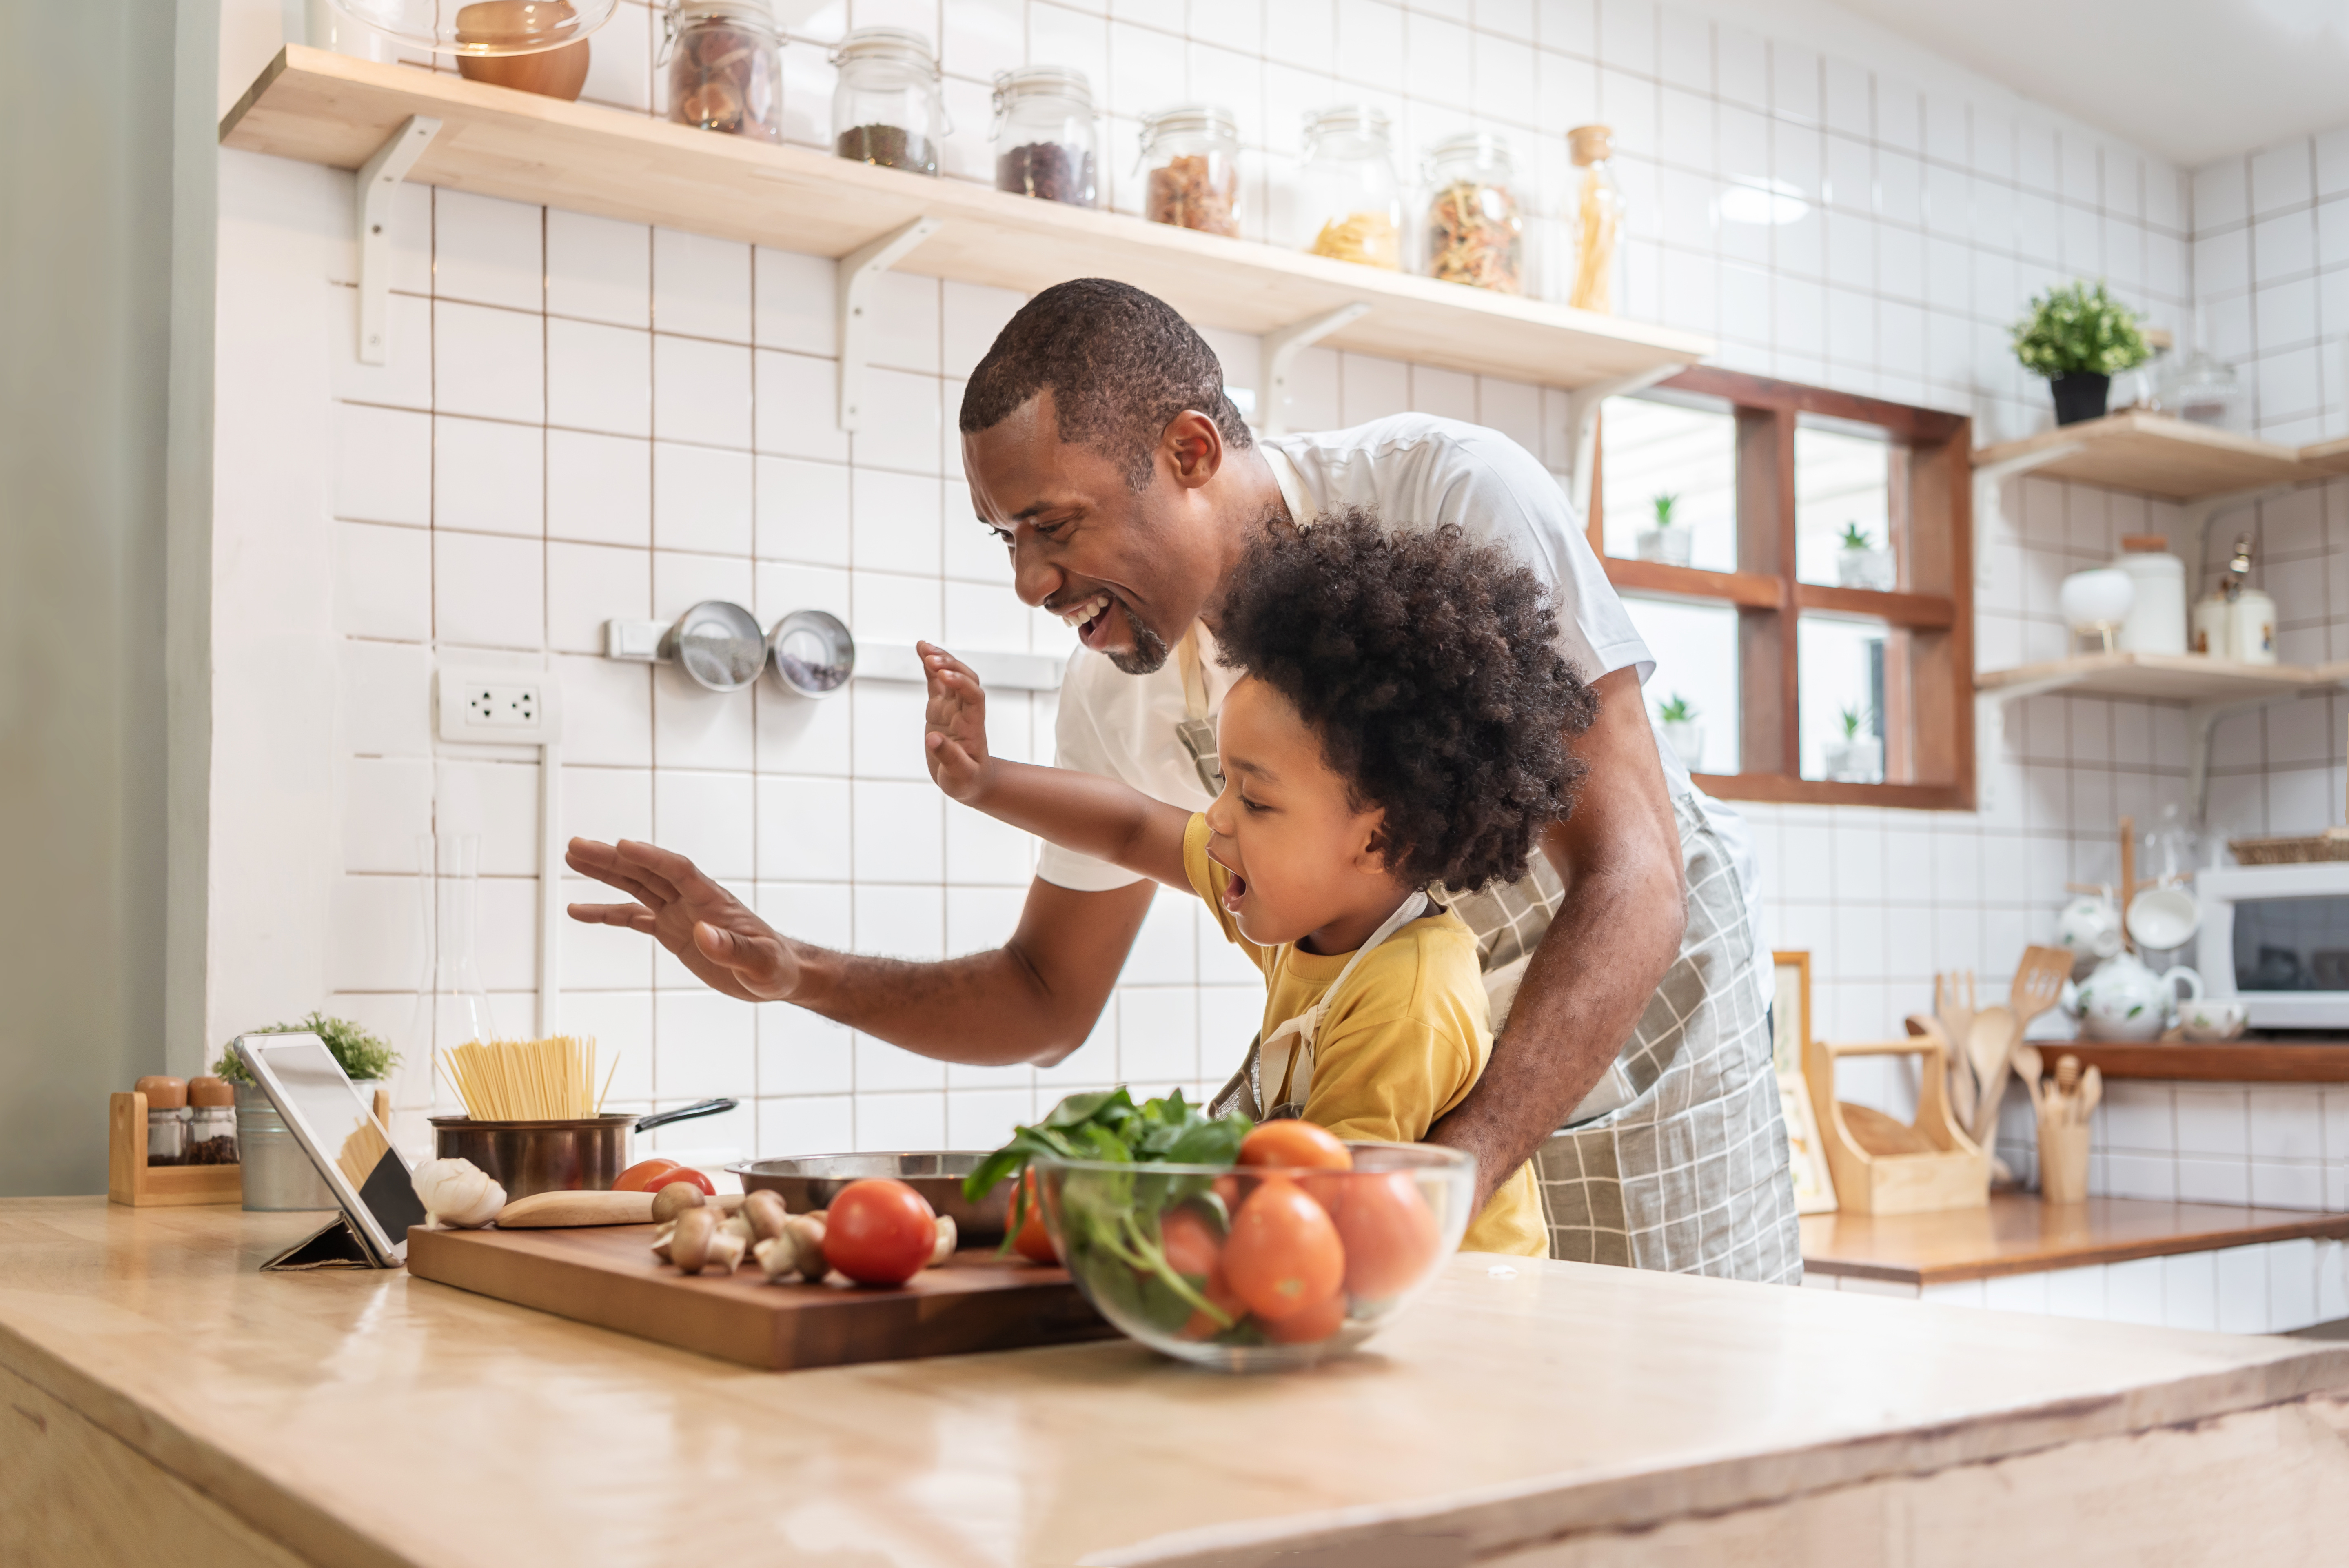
<point x="353" y="1152"/>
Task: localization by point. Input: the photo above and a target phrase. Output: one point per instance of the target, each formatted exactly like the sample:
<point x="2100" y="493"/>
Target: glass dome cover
<point x="482" y="27"/>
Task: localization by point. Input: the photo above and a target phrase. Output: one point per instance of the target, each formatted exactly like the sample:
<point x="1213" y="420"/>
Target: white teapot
<point x="2090" y="926"/>
<point x="2123" y="1000"/>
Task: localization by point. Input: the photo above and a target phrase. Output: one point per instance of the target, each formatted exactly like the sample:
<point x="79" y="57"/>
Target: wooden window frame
<point x="1929" y="725"/>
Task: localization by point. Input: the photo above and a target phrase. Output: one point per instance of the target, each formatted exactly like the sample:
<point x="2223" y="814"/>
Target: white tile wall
<point x="583" y="419"/>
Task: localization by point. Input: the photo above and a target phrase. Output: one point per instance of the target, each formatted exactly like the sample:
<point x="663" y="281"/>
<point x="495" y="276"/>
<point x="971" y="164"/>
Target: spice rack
<point x="129" y="1179"/>
<point x="329" y="108"/>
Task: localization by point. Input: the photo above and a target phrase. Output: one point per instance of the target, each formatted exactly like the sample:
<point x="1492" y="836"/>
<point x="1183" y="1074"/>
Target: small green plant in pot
<point x="1666" y="541"/>
<point x="364" y="1057"/>
<point x="1860" y="563"/>
<point x="1859" y="757"/>
<point x="277" y="1174"/>
<point x="1677" y="719"/>
<point x="2079" y="337"/>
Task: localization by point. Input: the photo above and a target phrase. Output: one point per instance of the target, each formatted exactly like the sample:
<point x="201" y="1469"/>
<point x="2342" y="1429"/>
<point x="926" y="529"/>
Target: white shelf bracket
<point x="860" y="271"/>
<point x="2197" y="513"/>
<point x="1987" y="510"/>
<point x="1582" y="405"/>
<point x="378" y="181"/>
<point x="1280" y="350"/>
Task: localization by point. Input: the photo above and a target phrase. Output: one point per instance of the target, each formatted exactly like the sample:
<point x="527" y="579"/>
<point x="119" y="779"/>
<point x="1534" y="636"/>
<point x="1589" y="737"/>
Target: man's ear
<point x="1192" y="448"/>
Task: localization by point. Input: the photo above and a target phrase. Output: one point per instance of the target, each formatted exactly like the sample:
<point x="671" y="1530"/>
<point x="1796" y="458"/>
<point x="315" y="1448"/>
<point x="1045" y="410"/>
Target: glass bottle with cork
<point x="1047" y="141"/>
<point x="1475" y="229"/>
<point x="888" y="108"/>
<point x="1348" y="200"/>
<point x="1192" y="157"/>
<point x="725" y="66"/>
<point x="1599" y="211"/>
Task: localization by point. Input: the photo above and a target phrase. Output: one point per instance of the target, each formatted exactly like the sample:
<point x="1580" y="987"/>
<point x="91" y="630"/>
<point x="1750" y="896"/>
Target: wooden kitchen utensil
<point x="2064" y="1137"/>
<point x="2027" y="1067"/>
<point x="1990" y="1046"/>
<point x="1960" y="1074"/>
<point x="2038" y="982"/>
<point x="1951" y="1173"/>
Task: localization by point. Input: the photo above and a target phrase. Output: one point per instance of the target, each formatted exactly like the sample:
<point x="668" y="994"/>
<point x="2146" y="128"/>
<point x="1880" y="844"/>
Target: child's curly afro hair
<point x="1428" y="666"/>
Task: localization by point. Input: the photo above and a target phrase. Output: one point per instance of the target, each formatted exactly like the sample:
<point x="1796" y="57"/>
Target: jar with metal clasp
<point x="888" y="108"/>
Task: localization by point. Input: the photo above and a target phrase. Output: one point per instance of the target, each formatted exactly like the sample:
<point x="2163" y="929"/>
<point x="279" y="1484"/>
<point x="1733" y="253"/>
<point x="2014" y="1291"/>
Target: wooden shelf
<point x="2016" y="1233"/>
<point x="2173" y="677"/>
<point x="2156" y="455"/>
<point x="329" y="108"/>
<point x="2333" y="456"/>
<point x="2240" y="1061"/>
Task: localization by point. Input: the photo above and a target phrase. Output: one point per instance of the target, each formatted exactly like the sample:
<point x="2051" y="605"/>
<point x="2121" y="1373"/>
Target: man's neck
<point x="1253" y="499"/>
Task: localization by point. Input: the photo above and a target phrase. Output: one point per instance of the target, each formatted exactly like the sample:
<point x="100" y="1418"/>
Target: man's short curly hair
<point x="1428" y="666"/>
<point x="1120" y="363"/>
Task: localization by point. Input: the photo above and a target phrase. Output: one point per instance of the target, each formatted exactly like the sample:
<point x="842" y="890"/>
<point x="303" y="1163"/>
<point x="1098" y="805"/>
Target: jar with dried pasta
<point x="1192" y="155"/>
<point x="1350" y="202"/>
<point x="725" y="66"/>
<point x="1475" y="229"/>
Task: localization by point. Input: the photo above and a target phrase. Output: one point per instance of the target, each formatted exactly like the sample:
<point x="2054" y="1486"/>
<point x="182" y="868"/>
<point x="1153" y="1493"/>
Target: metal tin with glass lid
<point x="812" y="652"/>
<point x="725" y="66"/>
<point x="888" y="108"/>
<point x="1475" y="229"/>
<point x="719" y="644"/>
<point x="1192" y="155"/>
<point x="1350" y="202"/>
<point x="1047" y="142"/>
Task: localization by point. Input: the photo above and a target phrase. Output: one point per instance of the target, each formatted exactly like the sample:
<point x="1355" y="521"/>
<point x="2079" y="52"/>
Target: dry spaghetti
<point x="552" y="1079"/>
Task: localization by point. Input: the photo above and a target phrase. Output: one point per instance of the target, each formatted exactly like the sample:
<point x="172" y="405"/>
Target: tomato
<point x="1034" y="1242"/>
<point x="1190" y="1242"/>
<point x="1284" y="1254"/>
<point x="1227" y="1187"/>
<point x="640" y="1177"/>
<point x="1315" y="1323"/>
<point x="879" y="1231"/>
<point x="1329" y="1191"/>
<point x="1389" y="1234"/>
<point x="1225" y="1300"/>
<point x="1292" y="1143"/>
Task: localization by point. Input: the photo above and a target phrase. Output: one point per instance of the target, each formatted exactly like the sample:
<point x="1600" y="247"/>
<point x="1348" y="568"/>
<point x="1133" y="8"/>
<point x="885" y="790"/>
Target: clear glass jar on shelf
<point x="1350" y="202"/>
<point x="1192" y="155"/>
<point x="888" y="108"/>
<point x="725" y="66"/>
<point x="1598" y="214"/>
<point x="211" y="1121"/>
<point x="1047" y="141"/>
<point x="167" y="1118"/>
<point x="1475" y="229"/>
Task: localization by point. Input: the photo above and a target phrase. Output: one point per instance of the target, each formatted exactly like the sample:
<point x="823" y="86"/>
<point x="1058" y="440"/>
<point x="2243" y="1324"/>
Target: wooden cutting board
<point x="608" y="1276"/>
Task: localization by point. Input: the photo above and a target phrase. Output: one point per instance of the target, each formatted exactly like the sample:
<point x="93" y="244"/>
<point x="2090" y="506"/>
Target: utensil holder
<point x="2063" y="1162"/>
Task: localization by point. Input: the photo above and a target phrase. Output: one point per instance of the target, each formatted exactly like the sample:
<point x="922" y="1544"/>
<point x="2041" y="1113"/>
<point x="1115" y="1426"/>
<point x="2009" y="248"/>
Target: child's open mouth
<point x="1234" y="890"/>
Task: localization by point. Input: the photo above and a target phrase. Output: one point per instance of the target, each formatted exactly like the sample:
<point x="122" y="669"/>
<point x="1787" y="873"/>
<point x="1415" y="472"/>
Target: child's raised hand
<point x="955" y="739"/>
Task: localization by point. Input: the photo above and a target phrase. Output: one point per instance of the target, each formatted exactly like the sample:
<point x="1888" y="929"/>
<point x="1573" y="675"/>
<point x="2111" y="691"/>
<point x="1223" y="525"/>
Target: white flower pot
<point x="1668" y="546"/>
<point x="1867" y="568"/>
<point x="1860" y="760"/>
<point x="1686" y="737"/>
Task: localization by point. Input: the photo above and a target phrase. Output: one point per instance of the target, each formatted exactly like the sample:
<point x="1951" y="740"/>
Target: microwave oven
<point x="2277" y="937"/>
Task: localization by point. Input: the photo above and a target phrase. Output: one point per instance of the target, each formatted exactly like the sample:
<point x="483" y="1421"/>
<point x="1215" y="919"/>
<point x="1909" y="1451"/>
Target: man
<point x="1100" y="446"/>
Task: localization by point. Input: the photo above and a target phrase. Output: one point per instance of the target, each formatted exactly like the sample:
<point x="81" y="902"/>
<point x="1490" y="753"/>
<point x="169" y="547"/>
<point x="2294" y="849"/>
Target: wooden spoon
<point x="1990" y="1045"/>
<point x="2092" y="1091"/>
<point x="2028" y="1066"/>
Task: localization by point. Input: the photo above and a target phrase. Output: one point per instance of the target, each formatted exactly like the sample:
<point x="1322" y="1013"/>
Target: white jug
<point x="2123" y="1000"/>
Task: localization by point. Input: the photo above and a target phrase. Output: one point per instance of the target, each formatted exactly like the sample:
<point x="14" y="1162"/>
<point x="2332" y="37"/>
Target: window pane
<point x="1843" y="698"/>
<point x="1696" y="648"/>
<point x="1652" y="450"/>
<point x="1844" y="482"/>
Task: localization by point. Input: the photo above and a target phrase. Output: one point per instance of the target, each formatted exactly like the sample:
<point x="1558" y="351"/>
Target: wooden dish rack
<point x="1882" y="1166"/>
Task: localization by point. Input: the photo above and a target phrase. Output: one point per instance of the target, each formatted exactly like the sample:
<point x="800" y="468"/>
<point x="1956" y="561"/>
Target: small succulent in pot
<point x="1665" y="541"/>
<point x="1677" y="719"/>
<point x="2079" y="337"/>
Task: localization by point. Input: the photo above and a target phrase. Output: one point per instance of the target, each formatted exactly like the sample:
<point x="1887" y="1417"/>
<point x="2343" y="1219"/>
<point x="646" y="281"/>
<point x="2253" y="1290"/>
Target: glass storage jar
<point x="211" y="1121"/>
<point x="1350" y="202"/>
<point x="725" y="66"/>
<point x="1475" y="229"/>
<point x="1047" y="143"/>
<point x="167" y="1118"/>
<point x="1598" y="219"/>
<point x="1192" y="155"/>
<point x="888" y="108"/>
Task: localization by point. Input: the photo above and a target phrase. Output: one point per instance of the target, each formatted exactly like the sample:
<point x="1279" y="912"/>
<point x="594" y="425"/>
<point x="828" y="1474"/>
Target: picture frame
<point x="1790" y="1019"/>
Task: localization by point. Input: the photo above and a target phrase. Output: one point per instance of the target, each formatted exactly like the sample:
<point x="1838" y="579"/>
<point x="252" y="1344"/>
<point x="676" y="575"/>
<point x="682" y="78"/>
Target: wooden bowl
<point x="557" y="73"/>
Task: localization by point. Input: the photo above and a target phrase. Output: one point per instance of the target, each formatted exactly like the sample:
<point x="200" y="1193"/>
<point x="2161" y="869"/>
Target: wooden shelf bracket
<point x="859" y="272"/>
<point x="379" y="180"/>
<point x="1280" y="351"/>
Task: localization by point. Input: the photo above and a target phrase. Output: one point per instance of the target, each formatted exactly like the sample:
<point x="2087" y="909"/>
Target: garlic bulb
<point x="457" y="1193"/>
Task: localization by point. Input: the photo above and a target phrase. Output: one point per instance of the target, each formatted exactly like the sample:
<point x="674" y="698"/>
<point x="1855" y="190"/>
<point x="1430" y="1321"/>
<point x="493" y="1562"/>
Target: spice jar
<point x="211" y="1121"/>
<point x="1046" y="141"/>
<point x="1598" y="219"/>
<point x="888" y="108"/>
<point x="725" y="66"/>
<point x="1475" y="231"/>
<point x="167" y="1118"/>
<point x="1192" y="159"/>
<point x="1348" y="200"/>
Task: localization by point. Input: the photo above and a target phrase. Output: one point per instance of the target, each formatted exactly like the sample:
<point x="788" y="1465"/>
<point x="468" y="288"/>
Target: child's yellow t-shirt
<point x="1402" y="1046"/>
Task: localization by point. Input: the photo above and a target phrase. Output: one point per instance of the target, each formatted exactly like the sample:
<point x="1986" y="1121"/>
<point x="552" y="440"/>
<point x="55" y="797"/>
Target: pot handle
<point x="683" y="1113"/>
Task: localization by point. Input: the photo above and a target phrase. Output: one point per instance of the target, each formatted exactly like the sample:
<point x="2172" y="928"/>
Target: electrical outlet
<point x="494" y="706"/>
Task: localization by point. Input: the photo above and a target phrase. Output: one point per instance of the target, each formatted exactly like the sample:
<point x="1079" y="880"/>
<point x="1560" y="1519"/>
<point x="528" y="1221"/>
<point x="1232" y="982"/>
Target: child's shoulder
<point x="1430" y="966"/>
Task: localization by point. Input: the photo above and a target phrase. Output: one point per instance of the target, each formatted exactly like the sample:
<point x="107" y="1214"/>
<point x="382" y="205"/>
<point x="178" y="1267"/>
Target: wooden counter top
<point x="370" y="1418"/>
<point x="2017" y="1233"/>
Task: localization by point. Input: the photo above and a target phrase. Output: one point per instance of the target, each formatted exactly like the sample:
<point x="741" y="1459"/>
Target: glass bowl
<point x="482" y="28"/>
<point x="1255" y="1268"/>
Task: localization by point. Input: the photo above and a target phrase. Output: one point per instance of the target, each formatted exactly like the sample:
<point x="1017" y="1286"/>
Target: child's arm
<point x="1093" y="816"/>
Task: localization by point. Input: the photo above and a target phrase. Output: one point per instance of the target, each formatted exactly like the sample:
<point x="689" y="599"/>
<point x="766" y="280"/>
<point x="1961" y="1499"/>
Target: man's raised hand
<point x="712" y="932"/>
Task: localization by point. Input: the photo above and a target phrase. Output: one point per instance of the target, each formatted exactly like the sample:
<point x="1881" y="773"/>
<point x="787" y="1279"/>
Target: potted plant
<point x="1665" y="543"/>
<point x="277" y="1174"/>
<point x="1682" y="731"/>
<point x="1860" y="565"/>
<point x="2079" y="337"/>
<point x="1856" y="759"/>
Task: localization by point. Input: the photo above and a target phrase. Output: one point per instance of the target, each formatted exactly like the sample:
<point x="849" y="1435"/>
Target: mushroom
<point x="738" y="1225"/>
<point x="660" y="1241"/>
<point x="726" y="1250"/>
<point x="690" y="1238"/>
<point x="776" y="1258"/>
<point x="805" y="1232"/>
<point x="675" y="1199"/>
<point x="945" y="1246"/>
<point x="766" y="1213"/>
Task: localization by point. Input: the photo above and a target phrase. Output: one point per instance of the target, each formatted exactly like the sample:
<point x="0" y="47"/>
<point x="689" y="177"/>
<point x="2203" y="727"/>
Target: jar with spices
<point x="725" y="66"/>
<point x="1192" y="155"/>
<point x="1047" y="143"/>
<point x="1475" y="231"/>
<point x="1349" y="200"/>
<point x="167" y="1118"/>
<point x="211" y="1121"/>
<point x="888" y="108"/>
<point x="1598" y="219"/>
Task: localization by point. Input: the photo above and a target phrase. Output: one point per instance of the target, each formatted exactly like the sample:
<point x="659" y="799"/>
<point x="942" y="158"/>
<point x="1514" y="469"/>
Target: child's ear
<point x="1372" y="853"/>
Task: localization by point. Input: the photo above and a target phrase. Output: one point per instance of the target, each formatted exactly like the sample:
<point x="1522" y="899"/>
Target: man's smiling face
<point x="1129" y="569"/>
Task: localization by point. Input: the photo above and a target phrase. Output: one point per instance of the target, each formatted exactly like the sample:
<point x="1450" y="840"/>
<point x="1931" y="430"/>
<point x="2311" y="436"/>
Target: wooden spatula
<point x="2038" y="983"/>
<point x="1990" y="1045"/>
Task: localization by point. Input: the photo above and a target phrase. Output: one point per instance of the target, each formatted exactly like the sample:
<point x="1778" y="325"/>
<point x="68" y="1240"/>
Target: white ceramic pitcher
<point x="2123" y="1000"/>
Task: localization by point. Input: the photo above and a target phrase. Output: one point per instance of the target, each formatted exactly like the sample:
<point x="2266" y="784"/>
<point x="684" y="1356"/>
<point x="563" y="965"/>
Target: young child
<point x="1400" y="730"/>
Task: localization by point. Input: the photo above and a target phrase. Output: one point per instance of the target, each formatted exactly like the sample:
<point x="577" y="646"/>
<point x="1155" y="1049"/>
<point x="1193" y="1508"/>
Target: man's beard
<point x="1150" y="649"/>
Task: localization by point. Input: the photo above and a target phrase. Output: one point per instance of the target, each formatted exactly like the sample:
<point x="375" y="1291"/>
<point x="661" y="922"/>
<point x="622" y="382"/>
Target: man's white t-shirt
<point x="1414" y="470"/>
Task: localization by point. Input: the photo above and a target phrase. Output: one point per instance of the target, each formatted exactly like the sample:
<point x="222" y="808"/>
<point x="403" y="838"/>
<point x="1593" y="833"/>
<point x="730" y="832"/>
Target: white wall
<point x="584" y="418"/>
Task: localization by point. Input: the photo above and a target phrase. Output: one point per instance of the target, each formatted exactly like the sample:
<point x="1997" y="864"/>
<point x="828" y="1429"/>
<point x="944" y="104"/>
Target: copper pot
<point x="508" y="26"/>
<point x="526" y="1157"/>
